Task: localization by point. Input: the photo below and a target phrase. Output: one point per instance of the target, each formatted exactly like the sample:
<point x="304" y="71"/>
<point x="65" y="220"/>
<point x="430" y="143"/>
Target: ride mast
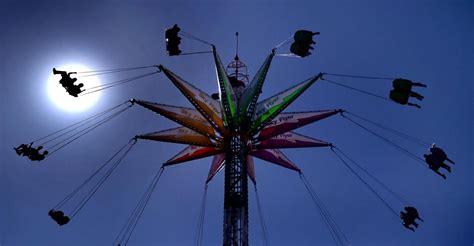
<point x="235" y="224"/>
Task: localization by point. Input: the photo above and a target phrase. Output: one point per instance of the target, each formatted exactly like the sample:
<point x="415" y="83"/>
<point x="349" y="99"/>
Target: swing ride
<point x="233" y="127"/>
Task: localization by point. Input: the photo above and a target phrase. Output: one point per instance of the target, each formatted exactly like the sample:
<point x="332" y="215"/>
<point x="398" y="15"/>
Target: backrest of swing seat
<point x="402" y="84"/>
<point x="303" y="36"/>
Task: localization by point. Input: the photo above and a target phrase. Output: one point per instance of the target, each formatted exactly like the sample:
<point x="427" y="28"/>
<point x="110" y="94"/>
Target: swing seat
<point x="59" y="217"/>
<point x="402" y="84"/>
<point x="400" y="97"/>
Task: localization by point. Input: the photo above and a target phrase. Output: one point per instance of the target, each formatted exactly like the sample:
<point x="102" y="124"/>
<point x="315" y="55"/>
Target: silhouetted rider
<point x="409" y="216"/>
<point x="59" y="217"/>
<point x="439" y="153"/>
<point x="401" y="97"/>
<point x="434" y="164"/>
<point x="408" y="220"/>
<point x="413" y="212"/>
<point x="66" y="81"/>
<point x="35" y="155"/>
<point x="22" y="149"/>
<point x="74" y="90"/>
<point x="402" y="92"/>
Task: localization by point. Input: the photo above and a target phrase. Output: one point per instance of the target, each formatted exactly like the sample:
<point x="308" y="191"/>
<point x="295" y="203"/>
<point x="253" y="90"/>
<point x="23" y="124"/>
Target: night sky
<point x="426" y="41"/>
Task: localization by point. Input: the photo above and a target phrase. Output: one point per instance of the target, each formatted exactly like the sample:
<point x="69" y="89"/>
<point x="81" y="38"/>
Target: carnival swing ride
<point x="233" y="127"/>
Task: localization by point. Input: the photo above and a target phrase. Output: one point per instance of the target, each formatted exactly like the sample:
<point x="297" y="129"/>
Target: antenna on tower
<point x="237" y="46"/>
<point x="236" y="58"/>
<point x="237" y="70"/>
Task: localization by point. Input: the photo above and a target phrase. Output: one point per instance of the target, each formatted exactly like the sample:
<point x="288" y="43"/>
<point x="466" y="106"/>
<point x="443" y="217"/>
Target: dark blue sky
<point x="428" y="41"/>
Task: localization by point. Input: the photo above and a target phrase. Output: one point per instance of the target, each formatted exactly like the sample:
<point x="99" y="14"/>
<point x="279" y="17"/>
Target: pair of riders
<point x="68" y="83"/>
<point x="401" y="92"/>
<point x="59" y="217"/>
<point x="409" y="216"/>
<point x="303" y="39"/>
<point x="173" y="41"/>
<point x="435" y="160"/>
<point x="29" y="151"/>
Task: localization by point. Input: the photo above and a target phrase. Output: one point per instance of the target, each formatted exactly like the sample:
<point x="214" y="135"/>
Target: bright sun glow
<point x="66" y="102"/>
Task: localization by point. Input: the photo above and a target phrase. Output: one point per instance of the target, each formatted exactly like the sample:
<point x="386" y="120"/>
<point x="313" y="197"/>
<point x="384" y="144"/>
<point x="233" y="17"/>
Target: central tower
<point x="236" y="193"/>
<point x="235" y="178"/>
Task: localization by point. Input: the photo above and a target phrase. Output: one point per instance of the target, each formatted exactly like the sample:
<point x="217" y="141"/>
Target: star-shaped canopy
<point x="206" y="127"/>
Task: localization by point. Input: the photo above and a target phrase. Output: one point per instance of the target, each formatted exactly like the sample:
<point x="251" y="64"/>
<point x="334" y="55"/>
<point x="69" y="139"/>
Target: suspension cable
<point x="194" y="53"/>
<point x="289" y="55"/>
<point x="396" y="146"/>
<point x="358" y="76"/>
<point x="84" y="131"/>
<point x="136" y="211"/>
<point x="336" y="233"/>
<point x="121" y="81"/>
<point x="132" y="221"/>
<point x="355" y="89"/>
<point x="79" y="133"/>
<point x="262" y="218"/>
<point x="188" y="35"/>
<point x="143" y="206"/>
<point x="102" y="180"/>
<point x="112" y="84"/>
<point x="78" y="188"/>
<point x="384" y="186"/>
<point x="393" y="131"/>
<point x="366" y="184"/>
<point x="75" y="128"/>
<point x="102" y="73"/>
<point x="98" y="184"/>
<point x="285" y="42"/>
<point x="78" y="123"/>
<point x="200" y="226"/>
<point x="115" y="69"/>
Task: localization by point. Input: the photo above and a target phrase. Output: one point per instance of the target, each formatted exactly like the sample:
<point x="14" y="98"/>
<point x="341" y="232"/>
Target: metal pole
<point x="236" y="193"/>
